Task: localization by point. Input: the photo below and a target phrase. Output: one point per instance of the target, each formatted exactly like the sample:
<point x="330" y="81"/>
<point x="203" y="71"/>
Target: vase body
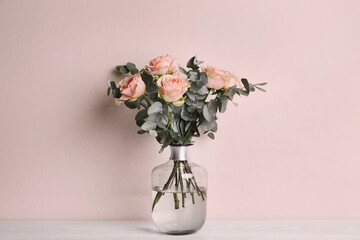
<point x="179" y="194"/>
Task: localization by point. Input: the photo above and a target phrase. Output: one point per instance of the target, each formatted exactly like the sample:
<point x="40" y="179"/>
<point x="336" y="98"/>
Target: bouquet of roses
<point x="177" y="104"/>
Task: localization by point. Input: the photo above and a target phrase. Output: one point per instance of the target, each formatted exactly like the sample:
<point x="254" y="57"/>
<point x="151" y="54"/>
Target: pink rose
<point x="232" y="80"/>
<point x="173" y="87"/>
<point x="132" y="87"/>
<point x="162" y="65"/>
<point x="216" y="77"/>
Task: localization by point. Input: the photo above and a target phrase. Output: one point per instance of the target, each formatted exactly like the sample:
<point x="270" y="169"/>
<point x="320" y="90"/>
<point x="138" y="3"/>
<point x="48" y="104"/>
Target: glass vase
<point x="179" y="194"/>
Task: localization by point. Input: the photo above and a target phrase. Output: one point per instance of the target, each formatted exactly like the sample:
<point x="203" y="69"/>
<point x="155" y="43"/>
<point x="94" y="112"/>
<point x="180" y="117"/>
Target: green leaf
<point x="139" y="123"/>
<point x="112" y="85"/>
<point x="153" y="96"/>
<point x="123" y="69"/>
<point x="194" y="87"/>
<point x="230" y="93"/>
<point x="141" y="131"/>
<point x="154" y="118"/>
<point x="191" y="63"/>
<point x="203" y="90"/>
<point x="183" y="71"/>
<point x="197" y="62"/>
<point x="259" y="88"/>
<point x="260" y="84"/>
<point x="199" y="105"/>
<point x="207" y="115"/>
<point x="134" y="71"/>
<point x="149" y="81"/>
<point x="130" y="66"/>
<point x="246" y="84"/>
<point x="211" y="135"/>
<point x="214" y="129"/>
<point x="148" y="126"/>
<point x="187" y="126"/>
<point x="153" y="133"/>
<point x="207" y="126"/>
<point x="193" y="75"/>
<point x="252" y="89"/>
<point x="116" y="93"/>
<point x="222" y="101"/>
<point x="137" y="103"/>
<point x="142" y="114"/>
<point x="213" y="107"/>
<point x="130" y="104"/>
<point x="156" y="107"/>
<point x="108" y="91"/>
<point x="203" y="79"/>
<point x="182" y="126"/>
<point x="191" y="95"/>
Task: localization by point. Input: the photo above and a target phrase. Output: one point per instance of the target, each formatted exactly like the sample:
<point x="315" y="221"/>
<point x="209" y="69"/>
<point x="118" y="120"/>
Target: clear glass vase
<point x="179" y="194"/>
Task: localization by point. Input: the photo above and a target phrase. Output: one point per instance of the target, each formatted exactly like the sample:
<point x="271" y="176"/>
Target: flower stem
<point x="166" y="186"/>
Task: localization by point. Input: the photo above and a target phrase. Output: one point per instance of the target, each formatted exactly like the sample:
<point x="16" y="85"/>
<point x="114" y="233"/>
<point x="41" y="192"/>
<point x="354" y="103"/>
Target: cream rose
<point x="162" y="65"/>
<point x="132" y="87"/>
<point x="216" y="77"/>
<point x="232" y="80"/>
<point x="172" y="88"/>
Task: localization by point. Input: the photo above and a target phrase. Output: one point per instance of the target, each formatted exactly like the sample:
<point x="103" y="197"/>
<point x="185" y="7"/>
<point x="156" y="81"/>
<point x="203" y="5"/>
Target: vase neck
<point x="179" y="153"/>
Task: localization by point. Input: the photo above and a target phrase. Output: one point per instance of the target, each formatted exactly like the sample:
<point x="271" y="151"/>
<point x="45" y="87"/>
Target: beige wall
<point x="67" y="153"/>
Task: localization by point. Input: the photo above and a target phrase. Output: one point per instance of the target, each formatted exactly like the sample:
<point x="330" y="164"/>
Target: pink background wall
<point x="68" y="153"/>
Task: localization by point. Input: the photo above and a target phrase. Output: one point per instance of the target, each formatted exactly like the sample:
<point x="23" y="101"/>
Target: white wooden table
<point x="143" y="230"/>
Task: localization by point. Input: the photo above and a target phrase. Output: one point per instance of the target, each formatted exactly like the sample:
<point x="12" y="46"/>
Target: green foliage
<point x="170" y="124"/>
<point x="129" y="67"/>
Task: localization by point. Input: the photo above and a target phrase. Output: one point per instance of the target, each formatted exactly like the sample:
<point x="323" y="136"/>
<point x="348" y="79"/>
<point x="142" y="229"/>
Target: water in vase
<point x="180" y="212"/>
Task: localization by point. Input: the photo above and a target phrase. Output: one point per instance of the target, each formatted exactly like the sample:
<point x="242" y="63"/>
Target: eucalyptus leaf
<point x="203" y="79"/>
<point x="203" y="90"/>
<point x="130" y="66"/>
<point x="116" y="93"/>
<point x="212" y="107"/>
<point x="191" y="64"/>
<point x="214" y="129"/>
<point x="200" y="97"/>
<point x="193" y="75"/>
<point x="153" y="96"/>
<point x="123" y="69"/>
<point x="142" y="114"/>
<point x="139" y="123"/>
<point x="246" y="84"/>
<point x="188" y="101"/>
<point x="211" y="135"/>
<point x="260" y="84"/>
<point x="183" y="71"/>
<point x="153" y="133"/>
<point x="199" y="105"/>
<point x="182" y="126"/>
<point x="191" y="95"/>
<point x="134" y="71"/>
<point x="154" y="118"/>
<point x="207" y="126"/>
<point x="148" y="126"/>
<point x="187" y="126"/>
<point x="259" y="88"/>
<point x="156" y="107"/>
<point x="206" y="113"/>
<point x="112" y="85"/>
<point x="222" y="101"/>
<point x="191" y="109"/>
